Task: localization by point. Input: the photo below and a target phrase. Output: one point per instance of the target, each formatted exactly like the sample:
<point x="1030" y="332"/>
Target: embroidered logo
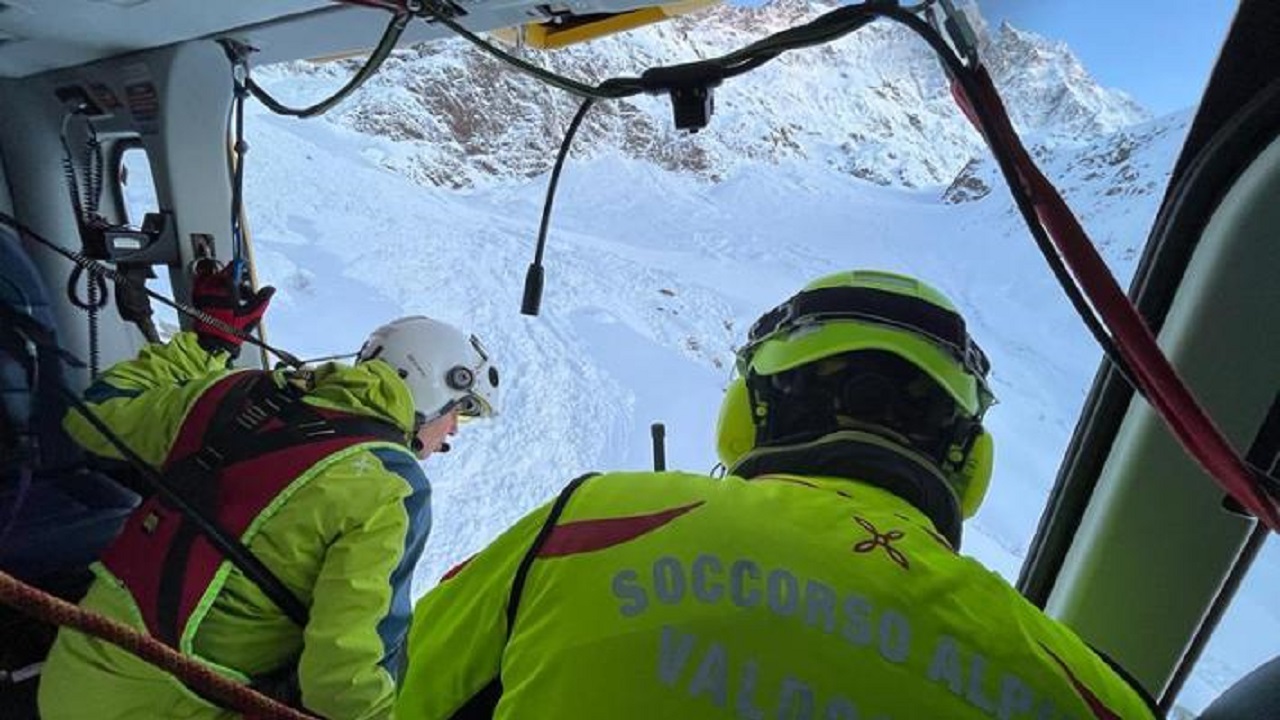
<point x="884" y="540"/>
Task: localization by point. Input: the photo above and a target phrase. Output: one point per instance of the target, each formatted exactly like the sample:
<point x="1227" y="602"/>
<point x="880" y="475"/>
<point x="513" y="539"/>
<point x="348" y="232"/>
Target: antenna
<point x="659" y="433"/>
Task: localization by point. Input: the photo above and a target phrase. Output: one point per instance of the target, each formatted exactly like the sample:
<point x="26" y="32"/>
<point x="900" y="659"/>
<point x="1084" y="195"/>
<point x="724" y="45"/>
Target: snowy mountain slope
<point x="1112" y="177"/>
<point x="640" y="317"/>
<point x="685" y="282"/>
<point x="1048" y="90"/>
<point x="874" y="104"/>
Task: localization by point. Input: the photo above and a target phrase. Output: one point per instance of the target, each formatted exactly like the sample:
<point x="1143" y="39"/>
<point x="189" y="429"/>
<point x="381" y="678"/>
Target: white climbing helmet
<point x="443" y="366"/>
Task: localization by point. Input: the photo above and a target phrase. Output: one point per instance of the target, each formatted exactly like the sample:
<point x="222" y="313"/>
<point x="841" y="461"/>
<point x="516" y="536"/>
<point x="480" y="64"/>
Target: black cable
<point x="69" y="174"/>
<point x="707" y="73"/>
<point x="390" y="36"/>
<point x="749" y="65"/>
<point x="95" y="300"/>
<point x="93" y="173"/>
<point x="147" y="327"/>
<point x="819" y="31"/>
<point x="84" y="203"/>
<point x="616" y="88"/>
<point x="105" y="273"/>
<point x="86" y="194"/>
<point x="823" y="29"/>
<point x="556" y="169"/>
<point x="328" y="358"/>
<point x="240" y="149"/>
<point x="534" y="278"/>
<point x="95" y="341"/>
<point x="826" y="28"/>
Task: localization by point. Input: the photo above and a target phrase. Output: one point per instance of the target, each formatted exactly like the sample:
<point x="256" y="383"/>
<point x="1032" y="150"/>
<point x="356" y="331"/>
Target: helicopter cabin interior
<point x="1136" y="549"/>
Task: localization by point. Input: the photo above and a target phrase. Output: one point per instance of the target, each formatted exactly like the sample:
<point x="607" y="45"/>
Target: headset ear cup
<point x="735" y="429"/>
<point x="975" y="476"/>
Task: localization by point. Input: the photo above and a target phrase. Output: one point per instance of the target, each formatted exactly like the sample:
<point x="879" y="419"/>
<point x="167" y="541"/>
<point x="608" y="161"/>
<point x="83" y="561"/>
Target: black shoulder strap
<point x="526" y="563"/>
<point x="484" y="703"/>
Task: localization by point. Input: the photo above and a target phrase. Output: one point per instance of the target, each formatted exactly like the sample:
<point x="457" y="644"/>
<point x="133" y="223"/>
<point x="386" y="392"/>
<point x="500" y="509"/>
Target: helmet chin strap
<point x="419" y="420"/>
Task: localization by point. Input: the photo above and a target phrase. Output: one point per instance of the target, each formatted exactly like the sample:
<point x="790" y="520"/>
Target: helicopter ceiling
<point x="41" y="35"/>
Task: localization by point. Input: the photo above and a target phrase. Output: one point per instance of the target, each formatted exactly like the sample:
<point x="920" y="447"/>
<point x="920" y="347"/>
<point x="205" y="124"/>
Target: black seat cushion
<point x="1254" y="697"/>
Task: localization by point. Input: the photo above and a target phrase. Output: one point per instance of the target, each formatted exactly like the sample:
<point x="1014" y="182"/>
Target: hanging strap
<point x="526" y="563"/>
<point x="485" y="702"/>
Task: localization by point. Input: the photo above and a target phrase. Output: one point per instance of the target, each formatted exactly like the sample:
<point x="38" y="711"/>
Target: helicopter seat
<point x="56" y="512"/>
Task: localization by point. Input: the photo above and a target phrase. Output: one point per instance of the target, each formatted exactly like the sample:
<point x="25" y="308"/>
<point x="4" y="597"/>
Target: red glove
<point x="213" y="293"/>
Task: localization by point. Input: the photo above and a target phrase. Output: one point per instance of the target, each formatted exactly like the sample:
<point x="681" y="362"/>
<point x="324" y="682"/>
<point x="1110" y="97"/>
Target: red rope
<point x="200" y="678"/>
<point x="1153" y="372"/>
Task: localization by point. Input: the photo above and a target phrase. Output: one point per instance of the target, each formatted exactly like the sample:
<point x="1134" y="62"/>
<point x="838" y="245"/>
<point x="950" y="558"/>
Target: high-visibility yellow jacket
<point x="670" y="595"/>
<point x="344" y="537"/>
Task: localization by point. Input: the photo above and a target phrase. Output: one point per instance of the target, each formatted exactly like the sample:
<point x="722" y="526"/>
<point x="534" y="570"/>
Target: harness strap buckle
<point x="209" y="458"/>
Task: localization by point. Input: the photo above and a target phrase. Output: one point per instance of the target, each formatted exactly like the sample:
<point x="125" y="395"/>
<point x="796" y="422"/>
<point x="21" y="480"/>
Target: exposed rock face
<point x="874" y="104"/>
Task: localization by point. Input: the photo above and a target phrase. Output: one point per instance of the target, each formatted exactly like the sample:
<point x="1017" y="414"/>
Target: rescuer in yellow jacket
<point x="818" y="580"/>
<point x="315" y="472"/>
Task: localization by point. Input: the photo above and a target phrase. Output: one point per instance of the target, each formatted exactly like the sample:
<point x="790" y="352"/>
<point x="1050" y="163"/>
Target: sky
<point x="1158" y="51"/>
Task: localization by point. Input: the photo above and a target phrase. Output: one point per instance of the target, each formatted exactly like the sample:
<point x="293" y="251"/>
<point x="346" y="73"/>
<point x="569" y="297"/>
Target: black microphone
<point x="532" y="290"/>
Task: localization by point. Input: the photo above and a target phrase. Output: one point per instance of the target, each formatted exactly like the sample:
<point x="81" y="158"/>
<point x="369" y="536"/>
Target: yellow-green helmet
<point x="864" y="310"/>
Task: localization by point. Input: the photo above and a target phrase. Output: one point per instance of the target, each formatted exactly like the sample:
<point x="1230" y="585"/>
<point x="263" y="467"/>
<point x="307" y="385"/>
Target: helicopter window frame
<point x="122" y="153"/>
